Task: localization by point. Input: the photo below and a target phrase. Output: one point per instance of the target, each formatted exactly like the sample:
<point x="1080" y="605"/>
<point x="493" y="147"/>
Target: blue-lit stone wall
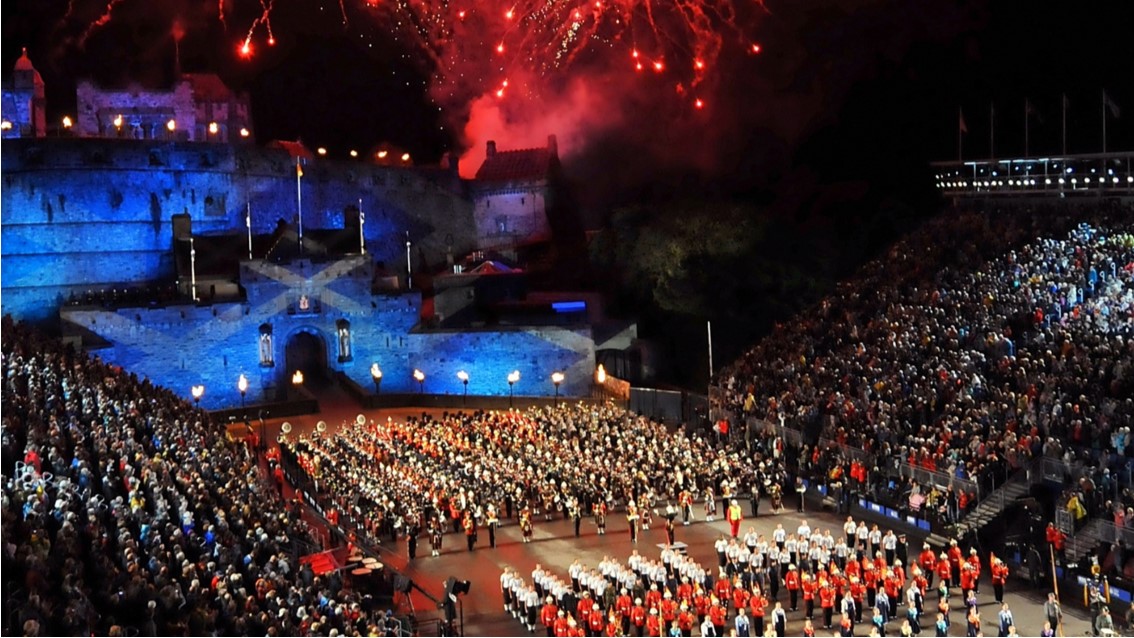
<point x="91" y="214"/>
<point x="180" y="346"/>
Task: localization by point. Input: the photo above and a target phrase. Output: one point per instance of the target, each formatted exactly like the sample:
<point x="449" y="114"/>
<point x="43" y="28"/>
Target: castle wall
<point x="90" y="214"/>
<point x="382" y="329"/>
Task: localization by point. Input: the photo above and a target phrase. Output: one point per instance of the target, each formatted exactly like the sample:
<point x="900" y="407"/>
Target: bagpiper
<point x="526" y="523"/>
<point x="599" y="510"/>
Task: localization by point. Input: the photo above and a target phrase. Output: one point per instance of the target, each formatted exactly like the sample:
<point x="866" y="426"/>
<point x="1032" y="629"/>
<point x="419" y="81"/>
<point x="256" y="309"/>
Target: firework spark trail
<point x="265" y="19"/>
<point x="342" y="10"/>
<point x="100" y="22"/>
<point x="220" y="14"/>
<point x="476" y="46"/>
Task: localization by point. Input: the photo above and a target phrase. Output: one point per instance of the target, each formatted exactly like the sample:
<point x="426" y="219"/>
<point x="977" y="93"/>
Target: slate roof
<point x="523" y="164"/>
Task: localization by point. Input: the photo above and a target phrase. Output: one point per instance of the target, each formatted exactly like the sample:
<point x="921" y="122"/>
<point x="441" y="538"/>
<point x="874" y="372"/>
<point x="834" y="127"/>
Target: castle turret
<point x="24" y="105"/>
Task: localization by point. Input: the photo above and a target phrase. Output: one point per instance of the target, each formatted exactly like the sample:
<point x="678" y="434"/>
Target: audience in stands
<point x="125" y="513"/>
<point x="974" y="345"/>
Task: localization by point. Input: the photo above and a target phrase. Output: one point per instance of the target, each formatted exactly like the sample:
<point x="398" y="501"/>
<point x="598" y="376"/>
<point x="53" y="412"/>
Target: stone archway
<point x="306" y="351"/>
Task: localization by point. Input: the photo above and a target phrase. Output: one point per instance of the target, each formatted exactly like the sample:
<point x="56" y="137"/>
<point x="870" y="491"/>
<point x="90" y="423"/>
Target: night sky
<point x="848" y="89"/>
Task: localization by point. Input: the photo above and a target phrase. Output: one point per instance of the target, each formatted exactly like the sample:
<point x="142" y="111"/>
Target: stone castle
<point x="155" y="231"/>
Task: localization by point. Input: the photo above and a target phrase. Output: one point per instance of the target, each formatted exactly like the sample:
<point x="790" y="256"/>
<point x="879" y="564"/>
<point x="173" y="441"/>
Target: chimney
<point x="552" y="146"/>
<point x="450" y="161"/>
<point x="490" y="149"/>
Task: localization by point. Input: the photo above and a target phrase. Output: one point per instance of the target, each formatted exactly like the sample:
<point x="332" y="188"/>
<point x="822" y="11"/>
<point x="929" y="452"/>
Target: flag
<point x="1110" y="105"/>
<point x="961" y="121"/>
<point x="298" y="168"/>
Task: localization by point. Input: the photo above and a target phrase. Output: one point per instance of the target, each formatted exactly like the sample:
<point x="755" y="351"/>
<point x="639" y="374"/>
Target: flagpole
<point x="709" y="330"/>
<point x="248" y="223"/>
<point x="299" y="199"/>
<point x="361" y="221"/>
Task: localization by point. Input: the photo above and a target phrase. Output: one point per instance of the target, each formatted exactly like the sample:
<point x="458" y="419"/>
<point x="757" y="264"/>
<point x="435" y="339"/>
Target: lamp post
<point x="242" y="385"/>
<point x="464" y="377"/>
<point x="420" y="377"/>
<point x="376" y="374"/>
<point x="193" y="268"/>
<point x="197" y="391"/>
<point x="557" y="378"/>
<point x="513" y="377"/>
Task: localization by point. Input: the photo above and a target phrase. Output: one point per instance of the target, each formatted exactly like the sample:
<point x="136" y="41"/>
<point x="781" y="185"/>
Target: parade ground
<point x="555" y="547"/>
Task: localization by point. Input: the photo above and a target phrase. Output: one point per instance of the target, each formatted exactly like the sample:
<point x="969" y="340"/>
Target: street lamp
<point x="197" y="391"/>
<point x="420" y="377"/>
<point x="464" y="377"/>
<point x="242" y="385"/>
<point x="376" y="374"/>
<point x="513" y="377"/>
<point x="557" y="378"/>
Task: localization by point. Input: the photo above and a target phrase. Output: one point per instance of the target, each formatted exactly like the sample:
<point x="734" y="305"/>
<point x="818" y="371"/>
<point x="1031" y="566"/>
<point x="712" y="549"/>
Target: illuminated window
<point x="343" y="329"/>
<point x="267" y="359"/>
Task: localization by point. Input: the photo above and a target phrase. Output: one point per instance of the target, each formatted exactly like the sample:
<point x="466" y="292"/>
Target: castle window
<point x="343" y="330"/>
<point x="502" y="224"/>
<point x="267" y="359"/>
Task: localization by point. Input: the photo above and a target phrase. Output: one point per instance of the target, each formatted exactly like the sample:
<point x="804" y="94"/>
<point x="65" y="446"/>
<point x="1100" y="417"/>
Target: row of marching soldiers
<point x="675" y="594"/>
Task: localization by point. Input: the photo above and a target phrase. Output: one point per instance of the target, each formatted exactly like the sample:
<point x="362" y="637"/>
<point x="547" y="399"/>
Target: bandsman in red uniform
<point x="870" y="582"/>
<point x="858" y="593"/>
<point x="584" y="606"/>
<point x="968" y="578"/>
<point x="718" y="615"/>
<point x="974" y="561"/>
<point x="808" y="588"/>
<point x="596" y="623"/>
<point x="561" y="626"/>
<point x="927" y="560"/>
<point x="668" y="609"/>
<point x="791" y="581"/>
<point x="944" y="569"/>
<point x="955" y="561"/>
<point x="685" y="591"/>
<point x="740" y="595"/>
<point x="613" y="626"/>
<point x="653" y="597"/>
<point x="622" y="606"/>
<point x="653" y="623"/>
<point x="758" y="606"/>
<point x="547" y="615"/>
<point x="999" y="572"/>
<point x="722" y="589"/>
<point x="686" y="620"/>
<point x="638" y="618"/>
<point x="827" y="603"/>
<point x="701" y="604"/>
